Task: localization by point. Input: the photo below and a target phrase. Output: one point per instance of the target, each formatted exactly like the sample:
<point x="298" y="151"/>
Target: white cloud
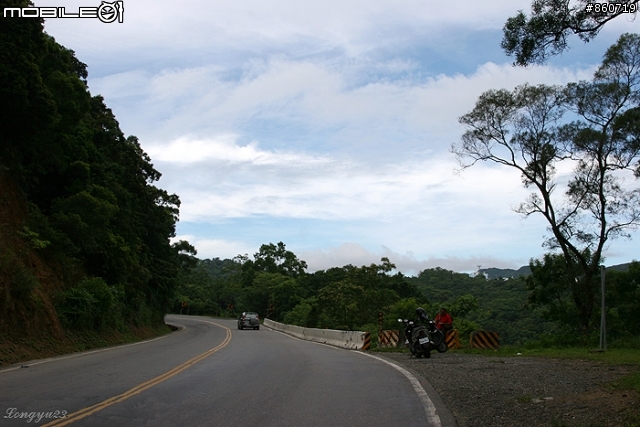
<point x="354" y="254"/>
<point x="417" y="205"/>
<point x="254" y="25"/>
<point x="225" y="149"/>
<point x="357" y="255"/>
<point x="301" y="98"/>
<point x="290" y="184"/>
<point x="236" y="180"/>
<point x="323" y="112"/>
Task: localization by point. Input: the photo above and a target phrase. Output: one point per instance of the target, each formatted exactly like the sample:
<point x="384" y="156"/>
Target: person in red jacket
<point x="443" y="320"/>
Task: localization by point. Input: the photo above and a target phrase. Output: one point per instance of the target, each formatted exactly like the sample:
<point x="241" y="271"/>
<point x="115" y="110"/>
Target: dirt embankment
<point x="29" y="325"/>
<point x="527" y="391"/>
<point x="27" y="281"/>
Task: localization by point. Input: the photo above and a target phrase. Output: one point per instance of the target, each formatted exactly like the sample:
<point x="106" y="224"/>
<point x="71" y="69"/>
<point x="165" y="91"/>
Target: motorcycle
<point x="422" y="339"/>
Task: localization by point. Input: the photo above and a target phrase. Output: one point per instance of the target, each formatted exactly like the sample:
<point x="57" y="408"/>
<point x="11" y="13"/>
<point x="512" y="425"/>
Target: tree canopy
<point x="592" y="126"/>
<point x="532" y="39"/>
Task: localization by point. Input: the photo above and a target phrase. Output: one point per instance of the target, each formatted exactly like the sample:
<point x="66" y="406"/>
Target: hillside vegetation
<point x="84" y="232"/>
<point x="352" y="297"/>
<point x="275" y="283"/>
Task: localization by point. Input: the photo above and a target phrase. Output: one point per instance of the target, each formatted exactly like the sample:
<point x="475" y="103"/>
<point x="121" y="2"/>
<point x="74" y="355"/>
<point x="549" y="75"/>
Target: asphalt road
<point x="212" y="374"/>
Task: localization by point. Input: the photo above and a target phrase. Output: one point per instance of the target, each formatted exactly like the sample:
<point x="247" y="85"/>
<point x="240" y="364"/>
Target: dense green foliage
<point x="93" y="211"/>
<point x="622" y="299"/>
<point x="623" y="302"/>
<point x="500" y="303"/>
<point x="274" y="284"/>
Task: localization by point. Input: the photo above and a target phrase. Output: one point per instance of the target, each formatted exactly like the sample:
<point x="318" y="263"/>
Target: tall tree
<point x="271" y="258"/>
<point x="277" y="259"/>
<point x="532" y="39"/>
<point x="527" y="129"/>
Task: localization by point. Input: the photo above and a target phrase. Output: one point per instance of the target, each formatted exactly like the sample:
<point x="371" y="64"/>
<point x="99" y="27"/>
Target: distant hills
<point x="620" y="267"/>
<point x="509" y="273"/>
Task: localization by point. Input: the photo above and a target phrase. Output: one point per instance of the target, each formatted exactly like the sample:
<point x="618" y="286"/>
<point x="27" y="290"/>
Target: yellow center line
<point x="78" y="415"/>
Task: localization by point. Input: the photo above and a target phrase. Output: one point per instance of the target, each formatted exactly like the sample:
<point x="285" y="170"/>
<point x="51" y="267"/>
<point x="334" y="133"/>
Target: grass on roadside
<point x="616" y="356"/>
<point x="630" y="382"/>
<point x="17" y="349"/>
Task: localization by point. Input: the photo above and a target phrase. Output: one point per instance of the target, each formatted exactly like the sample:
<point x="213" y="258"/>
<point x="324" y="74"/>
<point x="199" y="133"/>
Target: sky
<point x="326" y="125"/>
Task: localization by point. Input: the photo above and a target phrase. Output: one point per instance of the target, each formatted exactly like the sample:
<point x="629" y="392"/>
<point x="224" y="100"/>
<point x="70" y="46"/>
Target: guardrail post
<point x="453" y="339"/>
<point x="367" y="342"/>
<point x="485" y="340"/>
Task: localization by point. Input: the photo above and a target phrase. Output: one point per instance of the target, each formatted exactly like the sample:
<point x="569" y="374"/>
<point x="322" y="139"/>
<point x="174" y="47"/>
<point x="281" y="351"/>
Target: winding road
<point x="209" y="373"/>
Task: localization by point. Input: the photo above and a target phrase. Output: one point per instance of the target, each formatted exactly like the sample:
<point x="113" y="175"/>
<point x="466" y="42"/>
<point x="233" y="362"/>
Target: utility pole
<point x="603" y="317"/>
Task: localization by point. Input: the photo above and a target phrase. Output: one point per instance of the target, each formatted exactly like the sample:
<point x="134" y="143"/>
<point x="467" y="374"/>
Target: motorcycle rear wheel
<point x="426" y="351"/>
<point x="413" y="351"/>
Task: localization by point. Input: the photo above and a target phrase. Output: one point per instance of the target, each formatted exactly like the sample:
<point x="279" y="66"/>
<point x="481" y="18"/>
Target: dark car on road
<point x="249" y="319"/>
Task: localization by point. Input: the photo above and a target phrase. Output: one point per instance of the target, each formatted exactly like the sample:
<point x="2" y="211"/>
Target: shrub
<point x="89" y="305"/>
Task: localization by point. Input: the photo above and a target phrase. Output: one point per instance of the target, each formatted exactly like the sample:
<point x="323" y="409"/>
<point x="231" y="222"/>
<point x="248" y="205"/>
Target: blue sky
<point x="325" y="125"/>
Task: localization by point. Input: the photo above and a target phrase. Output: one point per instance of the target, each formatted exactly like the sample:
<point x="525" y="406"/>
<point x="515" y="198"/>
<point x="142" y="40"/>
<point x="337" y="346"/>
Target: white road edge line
<point x="429" y="408"/>
<point x="84" y="353"/>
